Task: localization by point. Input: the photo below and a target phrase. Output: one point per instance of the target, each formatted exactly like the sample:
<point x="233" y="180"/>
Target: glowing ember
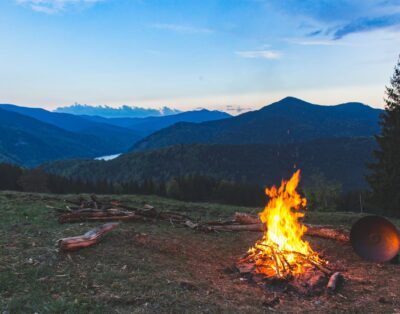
<point x="282" y="252"/>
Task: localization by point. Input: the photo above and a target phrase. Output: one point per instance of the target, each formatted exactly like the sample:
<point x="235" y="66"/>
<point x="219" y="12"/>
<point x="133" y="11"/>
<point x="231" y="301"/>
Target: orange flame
<point x="282" y="252"/>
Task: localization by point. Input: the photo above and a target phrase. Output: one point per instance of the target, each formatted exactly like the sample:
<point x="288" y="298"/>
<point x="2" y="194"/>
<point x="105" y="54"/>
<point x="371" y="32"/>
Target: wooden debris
<point x="95" y="210"/>
<point x="191" y="224"/>
<point x="90" y="238"/>
<point x="334" y="281"/>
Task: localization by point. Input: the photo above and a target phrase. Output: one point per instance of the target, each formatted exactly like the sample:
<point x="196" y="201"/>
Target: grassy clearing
<point x="156" y="267"/>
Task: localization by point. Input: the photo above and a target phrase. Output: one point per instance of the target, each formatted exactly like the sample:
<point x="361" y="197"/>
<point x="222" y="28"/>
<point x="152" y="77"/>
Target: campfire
<point x="282" y="254"/>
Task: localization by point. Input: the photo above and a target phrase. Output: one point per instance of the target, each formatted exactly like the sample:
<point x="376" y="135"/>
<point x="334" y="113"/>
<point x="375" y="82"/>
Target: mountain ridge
<point x="149" y="125"/>
<point x="289" y="120"/>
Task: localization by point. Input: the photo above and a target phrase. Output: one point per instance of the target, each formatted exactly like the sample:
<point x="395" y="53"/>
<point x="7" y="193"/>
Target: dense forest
<point x="340" y="160"/>
<point x="322" y="194"/>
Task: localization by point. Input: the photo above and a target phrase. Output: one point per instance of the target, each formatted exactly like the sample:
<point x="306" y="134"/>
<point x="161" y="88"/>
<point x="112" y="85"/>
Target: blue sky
<point x="196" y="53"/>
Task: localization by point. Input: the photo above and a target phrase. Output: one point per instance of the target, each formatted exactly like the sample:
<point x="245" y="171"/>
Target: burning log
<point x="312" y="230"/>
<point x="282" y="254"/>
<point x="90" y="238"/>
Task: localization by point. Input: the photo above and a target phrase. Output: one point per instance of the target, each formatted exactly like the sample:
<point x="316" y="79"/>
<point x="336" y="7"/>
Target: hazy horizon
<point x="165" y="110"/>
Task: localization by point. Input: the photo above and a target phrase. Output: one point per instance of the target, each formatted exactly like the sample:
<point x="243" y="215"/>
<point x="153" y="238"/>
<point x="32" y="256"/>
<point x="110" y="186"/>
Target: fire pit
<point x="282" y="259"/>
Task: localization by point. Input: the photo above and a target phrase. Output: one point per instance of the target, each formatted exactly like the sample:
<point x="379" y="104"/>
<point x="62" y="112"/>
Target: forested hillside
<point x="117" y="139"/>
<point x="341" y="160"/>
<point x="27" y="141"/>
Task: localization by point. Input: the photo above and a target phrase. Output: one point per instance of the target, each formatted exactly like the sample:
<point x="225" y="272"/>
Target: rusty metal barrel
<point x="375" y="239"/>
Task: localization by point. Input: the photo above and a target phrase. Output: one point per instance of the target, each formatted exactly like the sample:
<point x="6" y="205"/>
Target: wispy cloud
<point x="184" y="29"/>
<point x="55" y="6"/>
<point x="367" y="24"/>
<point x="337" y="19"/>
<point x="263" y="54"/>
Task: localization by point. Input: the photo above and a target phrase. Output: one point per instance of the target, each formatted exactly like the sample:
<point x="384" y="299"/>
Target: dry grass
<point x="159" y="268"/>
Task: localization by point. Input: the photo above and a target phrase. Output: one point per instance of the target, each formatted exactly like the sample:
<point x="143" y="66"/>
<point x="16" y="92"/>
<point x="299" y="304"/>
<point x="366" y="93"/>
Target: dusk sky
<point x="196" y="53"/>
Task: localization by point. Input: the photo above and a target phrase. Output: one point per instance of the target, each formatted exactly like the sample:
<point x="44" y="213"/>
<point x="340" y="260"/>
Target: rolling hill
<point x="118" y="134"/>
<point x="151" y="124"/>
<point x="29" y="142"/>
<point x="289" y="120"/>
<point x="339" y="159"/>
<point x="117" y="139"/>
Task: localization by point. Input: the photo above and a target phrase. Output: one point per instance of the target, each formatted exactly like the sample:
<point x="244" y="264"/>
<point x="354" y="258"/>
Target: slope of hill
<point x="151" y="124"/>
<point x="116" y="138"/>
<point x="27" y="141"/>
<point x="339" y="159"/>
<point x="290" y="120"/>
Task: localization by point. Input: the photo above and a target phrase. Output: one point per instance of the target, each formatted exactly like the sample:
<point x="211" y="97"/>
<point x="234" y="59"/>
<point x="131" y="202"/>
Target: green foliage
<point x="385" y="172"/>
<point x="322" y="194"/>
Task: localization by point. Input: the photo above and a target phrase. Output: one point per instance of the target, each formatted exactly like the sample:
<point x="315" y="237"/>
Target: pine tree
<point x="385" y="172"/>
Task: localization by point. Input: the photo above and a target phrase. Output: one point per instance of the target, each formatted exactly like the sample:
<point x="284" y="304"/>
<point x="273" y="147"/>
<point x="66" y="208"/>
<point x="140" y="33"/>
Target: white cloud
<point x="178" y="28"/>
<point x="54" y="6"/>
<point x="263" y="54"/>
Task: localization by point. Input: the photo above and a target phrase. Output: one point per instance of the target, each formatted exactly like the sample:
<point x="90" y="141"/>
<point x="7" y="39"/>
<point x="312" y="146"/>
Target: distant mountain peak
<point x="290" y="100"/>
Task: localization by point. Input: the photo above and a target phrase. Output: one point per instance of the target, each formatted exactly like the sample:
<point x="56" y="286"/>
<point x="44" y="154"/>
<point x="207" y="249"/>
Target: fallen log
<point x="246" y="219"/>
<point x="326" y="232"/>
<point x="90" y="238"/>
<point x="253" y="227"/>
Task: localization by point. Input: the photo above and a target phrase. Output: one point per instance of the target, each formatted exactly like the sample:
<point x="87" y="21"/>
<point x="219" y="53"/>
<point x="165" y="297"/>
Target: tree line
<point x="187" y="188"/>
<point x="322" y="194"/>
